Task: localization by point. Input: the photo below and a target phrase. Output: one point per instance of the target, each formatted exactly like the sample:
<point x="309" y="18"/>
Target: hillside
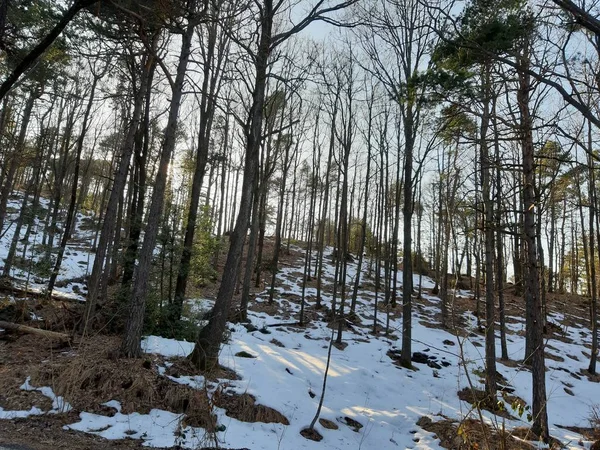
<point x="81" y="395"/>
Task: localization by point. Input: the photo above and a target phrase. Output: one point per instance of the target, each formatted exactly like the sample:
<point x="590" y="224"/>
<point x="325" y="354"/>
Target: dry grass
<point x="480" y="399"/>
<point x="47" y="432"/>
<point x="93" y="376"/>
<point x="244" y="408"/>
<point x="471" y="434"/>
<point x="19" y="356"/>
<point x="595" y="423"/>
<point x="328" y="424"/>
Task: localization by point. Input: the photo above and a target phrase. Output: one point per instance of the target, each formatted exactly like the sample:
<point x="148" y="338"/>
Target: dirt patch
<point x="244" y="407"/>
<point x="20" y="355"/>
<point x="471" y="434"/>
<point x="183" y="367"/>
<point x="479" y="399"/>
<point x="91" y="375"/>
<point x="46" y="432"/>
<point x="589" y="433"/>
<point x="94" y="376"/>
<point x="268" y="308"/>
<point x="277" y="343"/>
<point x="328" y="424"/>
<point x="526" y="434"/>
<point x="593" y="377"/>
<point x="354" y="425"/>
<point x="312" y="434"/>
<point x="13" y="398"/>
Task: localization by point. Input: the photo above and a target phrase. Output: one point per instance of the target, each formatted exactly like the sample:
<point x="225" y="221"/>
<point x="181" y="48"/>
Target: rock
<point x="250" y="327"/>
<point x="448" y="342"/>
<point x="354" y="424"/>
<point x="433" y="365"/>
<point x="244" y="354"/>
<point x="420" y="358"/>
<point x="277" y="343"/>
<point x="570" y="392"/>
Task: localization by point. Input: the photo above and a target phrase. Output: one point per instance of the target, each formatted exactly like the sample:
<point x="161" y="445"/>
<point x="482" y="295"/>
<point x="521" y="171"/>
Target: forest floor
<point x="81" y="395"/>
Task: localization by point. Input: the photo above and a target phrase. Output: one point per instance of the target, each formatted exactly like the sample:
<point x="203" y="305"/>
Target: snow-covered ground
<point x="363" y="382"/>
<point x="77" y="261"/>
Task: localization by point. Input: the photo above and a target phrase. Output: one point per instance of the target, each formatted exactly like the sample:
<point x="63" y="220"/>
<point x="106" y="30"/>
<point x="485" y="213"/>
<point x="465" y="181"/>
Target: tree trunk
<point x="250" y="253"/>
<point x="60" y="171"/>
<point x="407" y="281"/>
<point x="499" y="241"/>
<point x="207" y="346"/>
<point x="593" y="217"/>
<point x="211" y="73"/>
<point x="363" y="223"/>
<point x="71" y="211"/>
<point x="116" y="193"/>
<point x="130" y="346"/>
<point x="13" y="164"/>
<point x="279" y="222"/>
<point x="323" y="223"/>
<point x="534" y="320"/>
<point x="142" y="146"/>
<point x="488" y="206"/>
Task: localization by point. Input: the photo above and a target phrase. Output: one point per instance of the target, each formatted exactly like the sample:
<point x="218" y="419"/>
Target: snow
<point x="157" y="428"/>
<point x="59" y="405"/>
<point x="166" y="347"/>
<point x="77" y="261"/>
<point x="363" y="382"/>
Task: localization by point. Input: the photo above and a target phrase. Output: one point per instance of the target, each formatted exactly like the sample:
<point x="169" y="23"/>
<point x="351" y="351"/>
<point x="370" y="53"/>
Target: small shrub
<point x="595" y="421"/>
<point x="202" y="270"/>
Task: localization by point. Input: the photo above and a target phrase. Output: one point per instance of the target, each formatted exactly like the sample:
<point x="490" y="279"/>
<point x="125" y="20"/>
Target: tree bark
<point x="488" y="205"/>
<point x="35" y="331"/>
<point x="407" y="210"/>
<point x="593" y="217"/>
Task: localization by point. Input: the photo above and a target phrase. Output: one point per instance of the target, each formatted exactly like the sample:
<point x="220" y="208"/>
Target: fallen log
<point x="36" y="331"/>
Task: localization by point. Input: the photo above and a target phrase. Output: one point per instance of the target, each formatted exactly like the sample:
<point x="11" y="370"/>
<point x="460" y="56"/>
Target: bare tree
<point x="206" y="351"/>
<point x="397" y="42"/>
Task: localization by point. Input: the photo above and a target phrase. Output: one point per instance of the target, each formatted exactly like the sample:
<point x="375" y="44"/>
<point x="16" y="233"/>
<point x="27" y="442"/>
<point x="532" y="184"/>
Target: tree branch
<point x="39" y="49"/>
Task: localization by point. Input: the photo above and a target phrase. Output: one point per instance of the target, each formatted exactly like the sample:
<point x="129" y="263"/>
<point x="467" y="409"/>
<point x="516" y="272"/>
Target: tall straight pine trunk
<point x="534" y="318"/>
